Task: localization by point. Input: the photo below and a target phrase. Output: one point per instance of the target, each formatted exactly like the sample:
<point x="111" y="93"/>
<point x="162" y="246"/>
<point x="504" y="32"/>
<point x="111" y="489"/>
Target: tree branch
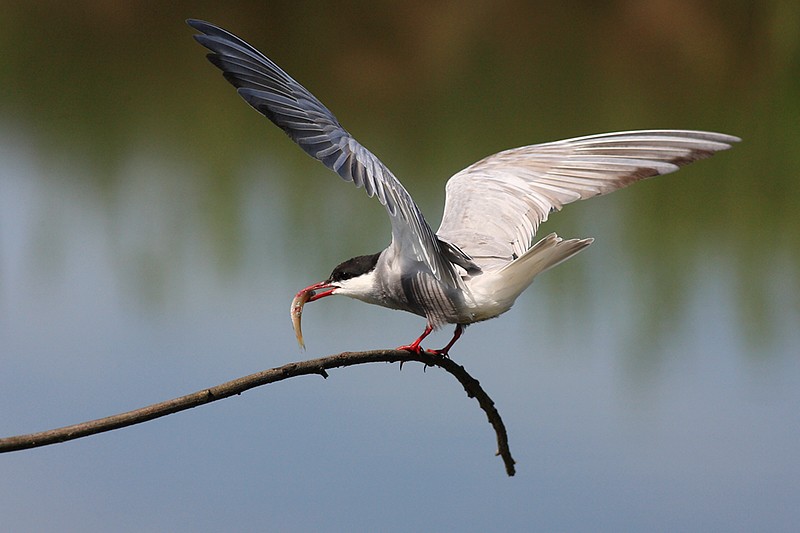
<point x="238" y="386"/>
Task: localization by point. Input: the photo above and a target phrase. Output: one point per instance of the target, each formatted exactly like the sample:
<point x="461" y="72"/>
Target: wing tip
<point x="201" y="25"/>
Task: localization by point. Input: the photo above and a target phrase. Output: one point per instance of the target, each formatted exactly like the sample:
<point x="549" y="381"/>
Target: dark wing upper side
<point x="272" y="92"/>
<point x="494" y="206"/>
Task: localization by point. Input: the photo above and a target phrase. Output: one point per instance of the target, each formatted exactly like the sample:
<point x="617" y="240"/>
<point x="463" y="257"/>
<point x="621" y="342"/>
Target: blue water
<point x="105" y="309"/>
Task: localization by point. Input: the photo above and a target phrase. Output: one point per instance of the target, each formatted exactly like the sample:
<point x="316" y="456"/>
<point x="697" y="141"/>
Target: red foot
<point x="413" y="348"/>
<point x="444" y="352"/>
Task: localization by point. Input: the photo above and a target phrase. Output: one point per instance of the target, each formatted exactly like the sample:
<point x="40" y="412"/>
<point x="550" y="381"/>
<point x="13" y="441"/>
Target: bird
<point x="484" y="254"/>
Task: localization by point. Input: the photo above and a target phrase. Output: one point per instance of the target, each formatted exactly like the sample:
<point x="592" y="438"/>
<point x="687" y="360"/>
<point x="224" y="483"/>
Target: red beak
<point x="324" y="286"/>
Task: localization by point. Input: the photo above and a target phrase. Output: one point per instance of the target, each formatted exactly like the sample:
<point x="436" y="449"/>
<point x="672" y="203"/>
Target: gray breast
<point x="424" y="295"/>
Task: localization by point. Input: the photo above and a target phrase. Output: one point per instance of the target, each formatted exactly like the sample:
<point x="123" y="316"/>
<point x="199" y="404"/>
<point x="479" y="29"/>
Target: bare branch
<point x="238" y="386"/>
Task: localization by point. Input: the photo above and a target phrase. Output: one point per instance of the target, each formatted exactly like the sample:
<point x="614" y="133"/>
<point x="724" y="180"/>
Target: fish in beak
<point x="309" y="294"/>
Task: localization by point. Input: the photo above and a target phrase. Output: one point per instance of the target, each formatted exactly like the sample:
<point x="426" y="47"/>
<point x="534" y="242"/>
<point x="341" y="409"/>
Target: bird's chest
<point x="410" y="286"/>
<point x="422" y="294"/>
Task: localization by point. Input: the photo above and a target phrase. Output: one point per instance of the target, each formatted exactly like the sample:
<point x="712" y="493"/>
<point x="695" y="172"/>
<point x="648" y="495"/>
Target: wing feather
<point x="276" y="95"/>
<point x="494" y="207"/>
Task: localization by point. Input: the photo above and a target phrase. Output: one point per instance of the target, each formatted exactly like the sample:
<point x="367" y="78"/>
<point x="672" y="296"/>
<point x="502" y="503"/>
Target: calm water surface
<point x="153" y="231"/>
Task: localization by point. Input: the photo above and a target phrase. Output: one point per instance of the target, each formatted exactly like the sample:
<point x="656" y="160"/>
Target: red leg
<point x="414" y="347"/>
<point x="456" y="335"/>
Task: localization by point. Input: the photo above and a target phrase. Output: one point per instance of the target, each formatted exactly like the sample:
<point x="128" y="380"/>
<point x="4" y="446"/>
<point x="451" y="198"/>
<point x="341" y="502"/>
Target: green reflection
<point x="430" y="89"/>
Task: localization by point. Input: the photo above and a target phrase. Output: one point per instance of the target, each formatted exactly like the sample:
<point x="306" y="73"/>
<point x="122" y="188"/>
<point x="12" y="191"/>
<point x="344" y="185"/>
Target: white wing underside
<point x="494" y="207"/>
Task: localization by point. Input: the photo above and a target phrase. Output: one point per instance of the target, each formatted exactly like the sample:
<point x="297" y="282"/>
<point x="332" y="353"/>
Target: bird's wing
<point x="273" y="93"/>
<point x="494" y="207"/>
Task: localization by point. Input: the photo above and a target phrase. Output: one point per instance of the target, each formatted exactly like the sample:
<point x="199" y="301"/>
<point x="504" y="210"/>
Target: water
<point x="153" y="231"/>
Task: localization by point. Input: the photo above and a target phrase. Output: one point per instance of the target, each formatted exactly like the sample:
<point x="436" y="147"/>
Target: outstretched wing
<point x="273" y="93"/>
<point x="494" y="207"/>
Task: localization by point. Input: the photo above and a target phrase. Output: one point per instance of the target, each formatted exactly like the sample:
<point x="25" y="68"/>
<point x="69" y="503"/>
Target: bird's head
<point x="354" y="278"/>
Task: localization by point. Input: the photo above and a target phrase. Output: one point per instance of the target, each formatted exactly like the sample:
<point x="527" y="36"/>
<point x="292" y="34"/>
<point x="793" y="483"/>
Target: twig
<point x="238" y="386"/>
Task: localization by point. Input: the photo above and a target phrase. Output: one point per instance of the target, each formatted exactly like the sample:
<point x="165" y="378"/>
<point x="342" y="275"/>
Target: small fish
<point x="298" y="302"/>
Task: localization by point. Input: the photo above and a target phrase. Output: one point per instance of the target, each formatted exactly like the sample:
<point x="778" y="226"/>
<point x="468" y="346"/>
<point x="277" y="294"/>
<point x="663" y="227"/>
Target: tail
<point x="543" y="255"/>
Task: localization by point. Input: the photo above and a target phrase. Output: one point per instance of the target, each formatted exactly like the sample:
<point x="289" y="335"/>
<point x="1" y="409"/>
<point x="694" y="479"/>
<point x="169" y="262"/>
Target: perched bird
<point x="483" y="255"/>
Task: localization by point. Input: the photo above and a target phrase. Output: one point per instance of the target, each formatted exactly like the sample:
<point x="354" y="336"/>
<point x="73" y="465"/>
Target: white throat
<point x="364" y="287"/>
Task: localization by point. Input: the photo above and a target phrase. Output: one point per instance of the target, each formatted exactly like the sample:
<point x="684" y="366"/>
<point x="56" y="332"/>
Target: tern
<point x="483" y="256"/>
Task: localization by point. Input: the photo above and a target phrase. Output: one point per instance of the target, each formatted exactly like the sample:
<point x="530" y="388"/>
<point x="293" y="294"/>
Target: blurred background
<point x="154" y="228"/>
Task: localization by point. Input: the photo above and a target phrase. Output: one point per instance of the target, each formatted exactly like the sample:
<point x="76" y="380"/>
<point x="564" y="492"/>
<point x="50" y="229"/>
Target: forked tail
<point x="543" y="255"/>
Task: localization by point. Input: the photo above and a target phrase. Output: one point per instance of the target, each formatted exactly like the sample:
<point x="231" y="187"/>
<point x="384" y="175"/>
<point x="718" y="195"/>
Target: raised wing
<point x="273" y="93"/>
<point x="494" y="207"/>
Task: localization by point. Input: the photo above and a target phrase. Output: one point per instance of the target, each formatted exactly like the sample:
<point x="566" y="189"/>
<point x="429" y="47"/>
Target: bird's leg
<point x="414" y="347"/>
<point x="456" y="335"/>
